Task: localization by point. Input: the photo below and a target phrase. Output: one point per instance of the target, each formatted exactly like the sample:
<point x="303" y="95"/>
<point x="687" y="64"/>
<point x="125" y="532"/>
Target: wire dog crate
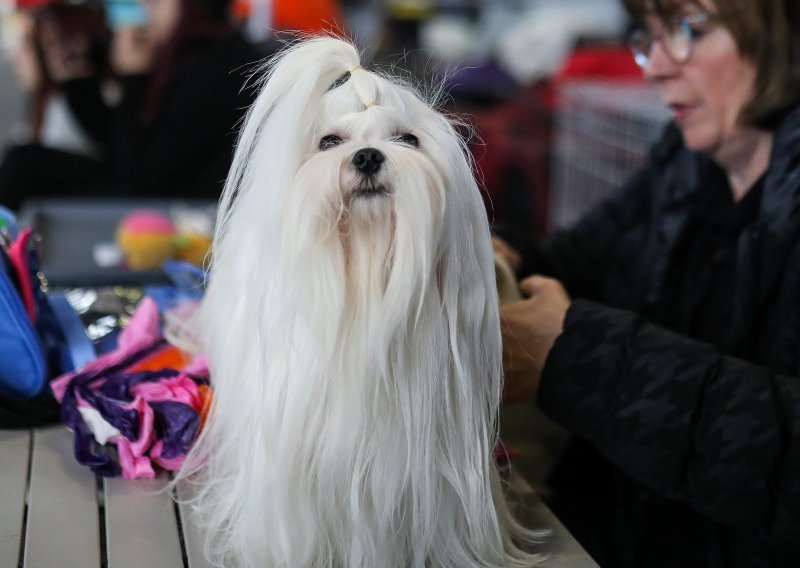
<point x="603" y="132"/>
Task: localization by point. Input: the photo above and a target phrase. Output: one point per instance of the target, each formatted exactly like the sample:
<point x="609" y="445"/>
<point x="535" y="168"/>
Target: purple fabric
<point x="123" y="419"/>
<point x="156" y="413"/>
<point x="93" y="370"/>
<point x="119" y="386"/>
<point x="142" y="423"/>
<point x="177" y="425"/>
<point x="146" y="435"/>
<point x="177" y="389"/>
<point x="99" y="462"/>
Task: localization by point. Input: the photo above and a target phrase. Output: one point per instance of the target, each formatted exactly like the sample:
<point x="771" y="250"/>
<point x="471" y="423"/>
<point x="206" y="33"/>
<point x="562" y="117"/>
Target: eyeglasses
<point x="677" y="39"/>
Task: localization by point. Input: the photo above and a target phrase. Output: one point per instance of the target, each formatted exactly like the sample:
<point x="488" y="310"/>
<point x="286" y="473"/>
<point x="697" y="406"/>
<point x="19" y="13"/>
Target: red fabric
<point x="504" y="455"/>
<point x="612" y="62"/>
<point x="512" y="154"/>
<point x="31" y="4"/>
<point x="309" y="16"/>
<point x="514" y="149"/>
<point x="18" y="253"/>
<point x="241" y="9"/>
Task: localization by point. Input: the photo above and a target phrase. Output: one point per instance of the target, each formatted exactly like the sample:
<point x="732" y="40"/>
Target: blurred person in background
<point x="170" y="129"/>
<point x="536" y="43"/>
<point x="56" y="155"/>
<point x="666" y="335"/>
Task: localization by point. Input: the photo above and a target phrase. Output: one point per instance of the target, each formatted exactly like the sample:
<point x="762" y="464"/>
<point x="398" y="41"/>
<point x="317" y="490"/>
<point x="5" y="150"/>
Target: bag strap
<point x="79" y="349"/>
<point x="18" y="252"/>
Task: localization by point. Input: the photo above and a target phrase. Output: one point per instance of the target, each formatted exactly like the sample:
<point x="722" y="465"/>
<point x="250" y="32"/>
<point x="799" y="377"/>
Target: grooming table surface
<point x="56" y="513"/>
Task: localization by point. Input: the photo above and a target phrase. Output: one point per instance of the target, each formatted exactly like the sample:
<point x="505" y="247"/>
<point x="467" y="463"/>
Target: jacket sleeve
<point x="717" y="433"/>
<point x="125" y="134"/>
<point x="85" y="99"/>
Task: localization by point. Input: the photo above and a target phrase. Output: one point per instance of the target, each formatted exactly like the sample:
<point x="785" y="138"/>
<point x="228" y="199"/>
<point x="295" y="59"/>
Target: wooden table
<point x="56" y="514"/>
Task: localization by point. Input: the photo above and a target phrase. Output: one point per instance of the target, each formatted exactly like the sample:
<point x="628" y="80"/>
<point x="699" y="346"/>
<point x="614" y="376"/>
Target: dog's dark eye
<point x="408" y="139"/>
<point x="329" y="141"/>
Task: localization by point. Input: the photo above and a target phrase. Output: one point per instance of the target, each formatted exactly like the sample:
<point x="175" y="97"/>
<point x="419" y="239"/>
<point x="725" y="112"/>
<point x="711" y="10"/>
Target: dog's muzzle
<point x="368" y="161"/>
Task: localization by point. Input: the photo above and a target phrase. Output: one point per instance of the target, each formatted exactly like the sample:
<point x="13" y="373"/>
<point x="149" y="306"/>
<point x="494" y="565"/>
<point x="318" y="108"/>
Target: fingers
<point x="507" y="253"/>
<point x="536" y="284"/>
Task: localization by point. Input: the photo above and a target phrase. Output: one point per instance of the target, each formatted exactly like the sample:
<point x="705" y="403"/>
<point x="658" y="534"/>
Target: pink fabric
<point x="133" y="466"/>
<point x="198" y="366"/>
<point x="146" y="434"/>
<point x="18" y="255"/>
<point x="81" y="401"/>
<point x="136" y="457"/>
<point x="132" y="459"/>
<point x="144" y="328"/>
<point x="177" y="389"/>
<point x="170" y="464"/>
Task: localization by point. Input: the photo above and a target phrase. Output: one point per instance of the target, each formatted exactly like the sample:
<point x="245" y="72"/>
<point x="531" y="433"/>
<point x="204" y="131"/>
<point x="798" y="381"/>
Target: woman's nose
<point x="659" y="63"/>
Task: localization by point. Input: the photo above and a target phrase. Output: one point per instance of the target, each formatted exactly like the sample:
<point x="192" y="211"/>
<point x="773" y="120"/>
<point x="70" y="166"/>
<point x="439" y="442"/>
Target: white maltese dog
<point x="353" y="335"/>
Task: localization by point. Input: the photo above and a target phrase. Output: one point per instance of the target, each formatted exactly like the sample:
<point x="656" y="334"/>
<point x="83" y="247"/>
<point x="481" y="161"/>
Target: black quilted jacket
<point x="686" y="455"/>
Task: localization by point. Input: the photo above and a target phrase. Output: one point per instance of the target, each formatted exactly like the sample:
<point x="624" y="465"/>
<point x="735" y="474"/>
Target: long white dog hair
<point x="352" y="329"/>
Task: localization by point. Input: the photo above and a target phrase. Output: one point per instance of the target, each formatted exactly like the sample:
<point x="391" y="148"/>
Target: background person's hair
<point x="68" y="20"/>
<point x="767" y="32"/>
<point x="200" y="23"/>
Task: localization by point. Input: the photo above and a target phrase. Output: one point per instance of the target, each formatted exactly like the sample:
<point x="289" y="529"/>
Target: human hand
<point x="507" y="253"/>
<point x="529" y="328"/>
<point x="131" y="50"/>
<point x="26" y="64"/>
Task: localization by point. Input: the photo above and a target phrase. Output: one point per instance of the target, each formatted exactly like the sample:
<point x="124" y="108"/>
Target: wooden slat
<point x="63" y="519"/>
<point x="192" y="536"/>
<point x="559" y="547"/>
<point x="141" y="527"/>
<point x="14" y="457"/>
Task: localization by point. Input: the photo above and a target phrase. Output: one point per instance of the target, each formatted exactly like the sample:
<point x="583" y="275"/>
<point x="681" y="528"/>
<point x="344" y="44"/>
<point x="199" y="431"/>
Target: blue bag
<point x="22" y="365"/>
<point x="33" y="344"/>
<point x="23" y="370"/>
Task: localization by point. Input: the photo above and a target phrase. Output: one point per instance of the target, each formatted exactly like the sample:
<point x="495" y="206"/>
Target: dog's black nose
<point x="368" y="160"/>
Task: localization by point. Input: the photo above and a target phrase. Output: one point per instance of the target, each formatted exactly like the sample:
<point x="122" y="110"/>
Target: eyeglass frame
<point x="682" y="23"/>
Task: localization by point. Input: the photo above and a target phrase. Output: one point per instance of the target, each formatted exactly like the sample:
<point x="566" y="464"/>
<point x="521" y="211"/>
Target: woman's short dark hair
<point x="765" y="31"/>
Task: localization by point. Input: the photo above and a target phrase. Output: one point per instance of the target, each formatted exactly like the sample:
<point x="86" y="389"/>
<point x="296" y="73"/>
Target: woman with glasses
<point x="666" y="336"/>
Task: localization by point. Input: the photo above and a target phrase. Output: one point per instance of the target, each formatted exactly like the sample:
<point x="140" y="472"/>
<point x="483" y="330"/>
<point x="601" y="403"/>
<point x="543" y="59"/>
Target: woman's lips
<point x="680" y="112"/>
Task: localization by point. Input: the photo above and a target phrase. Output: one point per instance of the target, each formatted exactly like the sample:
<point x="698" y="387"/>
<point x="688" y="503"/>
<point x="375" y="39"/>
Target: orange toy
<point x="146" y="239"/>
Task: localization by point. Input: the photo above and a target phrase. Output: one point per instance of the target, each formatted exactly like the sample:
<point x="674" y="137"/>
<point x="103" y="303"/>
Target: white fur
<point x="354" y="342"/>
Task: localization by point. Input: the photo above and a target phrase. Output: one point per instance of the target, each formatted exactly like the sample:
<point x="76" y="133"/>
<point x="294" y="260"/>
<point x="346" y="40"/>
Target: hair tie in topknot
<point x="344" y="77"/>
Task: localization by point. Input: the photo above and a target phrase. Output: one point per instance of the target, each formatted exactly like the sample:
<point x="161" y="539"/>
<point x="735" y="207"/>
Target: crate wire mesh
<point x="603" y="132"/>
